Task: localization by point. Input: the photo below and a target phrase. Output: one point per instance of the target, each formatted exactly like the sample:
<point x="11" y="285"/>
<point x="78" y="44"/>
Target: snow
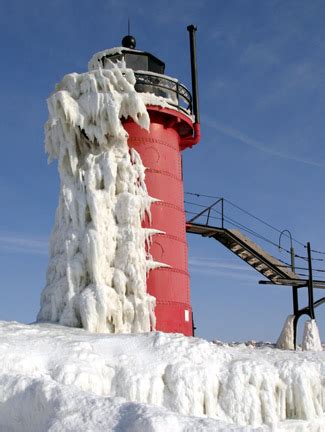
<point x="98" y="250"/>
<point x="57" y="378"/>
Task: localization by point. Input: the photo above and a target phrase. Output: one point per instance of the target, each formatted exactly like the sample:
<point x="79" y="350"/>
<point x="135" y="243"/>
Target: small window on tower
<point x="136" y="61"/>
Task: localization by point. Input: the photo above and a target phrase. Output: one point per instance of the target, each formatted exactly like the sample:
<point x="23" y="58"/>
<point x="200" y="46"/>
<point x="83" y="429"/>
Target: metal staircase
<point x="276" y="271"/>
<point x="248" y="251"/>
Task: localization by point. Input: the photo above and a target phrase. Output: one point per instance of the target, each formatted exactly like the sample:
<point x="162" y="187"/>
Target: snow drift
<point x="74" y="380"/>
<point x="98" y="261"/>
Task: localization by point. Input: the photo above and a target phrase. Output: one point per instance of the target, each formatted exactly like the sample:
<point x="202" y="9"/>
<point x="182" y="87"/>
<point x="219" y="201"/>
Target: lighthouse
<point x="174" y="127"/>
<point x="118" y="251"/>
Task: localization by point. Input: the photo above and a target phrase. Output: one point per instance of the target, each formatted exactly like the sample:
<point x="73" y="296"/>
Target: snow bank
<point x="98" y="261"/>
<point x="74" y="380"/>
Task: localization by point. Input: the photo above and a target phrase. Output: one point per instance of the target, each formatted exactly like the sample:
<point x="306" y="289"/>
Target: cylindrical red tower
<point x="173" y="127"/>
<point x="160" y="150"/>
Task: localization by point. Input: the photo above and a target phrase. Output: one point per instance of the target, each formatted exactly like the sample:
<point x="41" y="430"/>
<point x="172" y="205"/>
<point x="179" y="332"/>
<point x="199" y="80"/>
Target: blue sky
<point x="262" y="97"/>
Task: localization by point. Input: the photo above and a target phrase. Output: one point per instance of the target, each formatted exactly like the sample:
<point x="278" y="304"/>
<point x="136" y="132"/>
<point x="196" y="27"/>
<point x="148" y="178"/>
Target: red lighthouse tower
<point x="174" y="127"/>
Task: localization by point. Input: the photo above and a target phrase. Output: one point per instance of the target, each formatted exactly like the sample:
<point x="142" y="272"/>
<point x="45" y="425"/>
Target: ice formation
<point x="286" y="338"/>
<point x="73" y="380"/>
<point x="98" y="261"/>
<point x="311" y="340"/>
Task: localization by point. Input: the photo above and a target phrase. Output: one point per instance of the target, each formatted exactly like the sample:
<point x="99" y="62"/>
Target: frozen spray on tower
<point x="118" y="251"/>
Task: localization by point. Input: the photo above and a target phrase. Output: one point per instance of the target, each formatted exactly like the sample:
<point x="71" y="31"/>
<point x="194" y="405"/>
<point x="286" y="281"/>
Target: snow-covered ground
<point x="55" y="378"/>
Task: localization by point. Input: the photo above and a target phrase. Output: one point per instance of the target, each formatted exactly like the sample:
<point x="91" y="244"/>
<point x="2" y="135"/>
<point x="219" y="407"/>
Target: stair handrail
<point x="208" y="209"/>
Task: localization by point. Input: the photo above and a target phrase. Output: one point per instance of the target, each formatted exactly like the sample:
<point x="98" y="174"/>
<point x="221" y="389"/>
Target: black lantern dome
<point x="149" y="72"/>
<point x="129" y="42"/>
<point x="134" y="59"/>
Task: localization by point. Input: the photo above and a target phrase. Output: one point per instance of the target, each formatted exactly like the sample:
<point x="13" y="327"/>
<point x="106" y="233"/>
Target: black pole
<point x="192" y="30"/>
<point x="222" y="215"/>
<point x="294" y="288"/>
<point x="193" y="325"/>
<point x="310" y="285"/>
<point x="294" y="299"/>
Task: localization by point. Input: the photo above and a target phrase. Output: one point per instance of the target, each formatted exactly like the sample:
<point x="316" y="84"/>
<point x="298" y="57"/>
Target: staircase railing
<point x="207" y="211"/>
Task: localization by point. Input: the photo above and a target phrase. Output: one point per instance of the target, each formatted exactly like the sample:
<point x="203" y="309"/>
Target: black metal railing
<point x="164" y="87"/>
<point x="206" y="213"/>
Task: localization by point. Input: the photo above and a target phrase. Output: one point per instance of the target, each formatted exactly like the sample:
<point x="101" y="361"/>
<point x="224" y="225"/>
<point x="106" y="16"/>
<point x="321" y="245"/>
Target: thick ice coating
<point x="311" y="340"/>
<point x="98" y="261"/>
<point x="286" y="338"/>
<point x="73" y="380"/>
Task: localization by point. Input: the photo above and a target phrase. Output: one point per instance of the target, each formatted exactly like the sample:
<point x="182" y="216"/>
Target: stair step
<point x="260" y="267"/>
<point x="252" y="261"/>
<point x="244" y="255"/>
<point x="236" y="248"/>
<point x="268" y="273"/>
